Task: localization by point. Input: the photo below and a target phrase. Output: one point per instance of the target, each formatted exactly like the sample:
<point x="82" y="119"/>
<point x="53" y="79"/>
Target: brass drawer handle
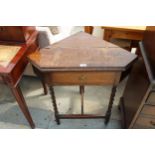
<point x="82" y="78"/>
<point x="152" y="123"/>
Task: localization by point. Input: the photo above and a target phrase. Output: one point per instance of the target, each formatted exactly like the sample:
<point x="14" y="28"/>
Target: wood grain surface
<point x="129" y="28"/>
<point x="7" y="53"/>
<point x="82" y="52"/>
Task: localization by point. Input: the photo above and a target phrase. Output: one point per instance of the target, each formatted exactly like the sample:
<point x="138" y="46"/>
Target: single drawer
<point x="127" y="35"/>
<point x="148" y="110"/>
<point x="80" y="78"/>
<point x="151" y="99"/>
<point x="12" y="34"/>
<point x="4" y="33"/>
<point x="145" y="122"/>
<point x="146" y="118"/>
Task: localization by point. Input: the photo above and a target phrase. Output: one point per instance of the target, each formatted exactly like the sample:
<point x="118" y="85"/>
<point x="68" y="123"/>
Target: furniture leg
<point x="89" y="29"/>
<point x="108" y="113"/>
<point x="54" y="104"/>
<point x="122" y="110"/>
<point x="44" y="87"/>
<point x="135" y="44"/>
<point x="82" y="89"/>
<point x="22" y="104"/>
<point x="107" y="35"/>
<point x="82" y="99"/>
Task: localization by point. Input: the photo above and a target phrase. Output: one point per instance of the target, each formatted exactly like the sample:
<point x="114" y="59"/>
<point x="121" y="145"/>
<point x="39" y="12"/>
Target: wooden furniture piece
<point x="123" y="32"/>
<point x="81" y="59"/>
<point x="132" y="33"/>
<point x="138" y="101"/>
<point x="120" y="32"/>
<point x="16" y="42"/>
<point x="89" y="29"/>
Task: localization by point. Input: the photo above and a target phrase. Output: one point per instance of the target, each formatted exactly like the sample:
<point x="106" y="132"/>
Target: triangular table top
<point x="82" y="51"/>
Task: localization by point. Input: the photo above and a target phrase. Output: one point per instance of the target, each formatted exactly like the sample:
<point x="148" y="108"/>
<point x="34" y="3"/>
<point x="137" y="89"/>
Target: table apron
<point x="122" y="34"/>
<point x="82" y="78"/>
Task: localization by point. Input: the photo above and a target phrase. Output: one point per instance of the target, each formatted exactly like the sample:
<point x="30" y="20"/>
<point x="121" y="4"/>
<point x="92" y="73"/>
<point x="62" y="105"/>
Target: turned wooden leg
<point x="44" y="87"/>
<point x="22" y="104"/>
<point x="82" y="99"/>
<point x="81" y="89"/>
<point x="112" y="96"/>
<point x="54" y="104"/>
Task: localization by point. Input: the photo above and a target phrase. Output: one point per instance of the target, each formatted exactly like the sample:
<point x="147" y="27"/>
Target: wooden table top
<point x="128" y="28"/>
<point x="82" y="51"/>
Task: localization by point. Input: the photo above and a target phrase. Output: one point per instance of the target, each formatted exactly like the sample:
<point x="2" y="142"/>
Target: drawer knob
<point x="82" y="78"/>
<point x="152" y="123"/>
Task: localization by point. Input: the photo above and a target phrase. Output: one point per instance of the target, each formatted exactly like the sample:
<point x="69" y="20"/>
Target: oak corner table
<point x="81" y="59"/>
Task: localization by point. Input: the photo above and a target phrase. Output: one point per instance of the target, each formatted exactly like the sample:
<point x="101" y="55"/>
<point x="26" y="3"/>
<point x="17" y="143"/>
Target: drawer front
<point x="80" y="78"/>
<point x="4" y="34"/>
<point x="145" y="122"/>
<point x="146" y="118"/>
<point x="127" y="35"/>
<point x="151" y="99"/>
<point x="148" y="110"/>
<point x="11" y="34"/>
